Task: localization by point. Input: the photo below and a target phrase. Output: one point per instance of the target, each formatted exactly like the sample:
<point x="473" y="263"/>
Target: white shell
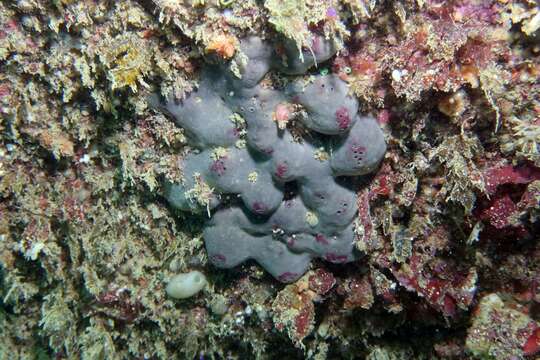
<point x="186" y="285"/>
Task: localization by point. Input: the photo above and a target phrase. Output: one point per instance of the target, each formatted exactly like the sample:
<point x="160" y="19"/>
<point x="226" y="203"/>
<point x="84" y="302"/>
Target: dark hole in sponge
<point x="290" y="190"/>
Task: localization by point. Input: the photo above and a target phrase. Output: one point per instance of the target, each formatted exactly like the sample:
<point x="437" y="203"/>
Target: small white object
<point x="227" y="14"/>
<point x="183" y="286"/>
<point x="396" y="75"/>
<point x="85" y="159"/>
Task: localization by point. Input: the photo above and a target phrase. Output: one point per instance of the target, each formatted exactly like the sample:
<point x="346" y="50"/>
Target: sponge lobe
<point x="360" y="151"/>
<point x="289" y="60"/>
<point x="205" y="117"/>
<point x="330" y="109"/>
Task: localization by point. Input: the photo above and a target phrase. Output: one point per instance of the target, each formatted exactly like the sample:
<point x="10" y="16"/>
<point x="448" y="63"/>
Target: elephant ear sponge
<point x="244" y="171"/>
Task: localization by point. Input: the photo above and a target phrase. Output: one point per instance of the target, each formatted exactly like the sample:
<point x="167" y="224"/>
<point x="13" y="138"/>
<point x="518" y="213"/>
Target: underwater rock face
<point x="246" y="150"/>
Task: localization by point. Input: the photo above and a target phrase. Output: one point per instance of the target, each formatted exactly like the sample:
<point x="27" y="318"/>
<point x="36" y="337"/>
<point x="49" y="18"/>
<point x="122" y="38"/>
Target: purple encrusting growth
<point x="283" y="236"/>
<point x="331" y="12"/>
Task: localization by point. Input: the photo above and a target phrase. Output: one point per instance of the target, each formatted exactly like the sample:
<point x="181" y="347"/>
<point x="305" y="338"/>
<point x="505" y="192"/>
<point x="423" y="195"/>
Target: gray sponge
<point x="248" y="183"/>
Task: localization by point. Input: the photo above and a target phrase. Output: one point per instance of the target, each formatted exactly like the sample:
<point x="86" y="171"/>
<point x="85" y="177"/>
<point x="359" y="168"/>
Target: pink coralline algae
<point x="532" y="345"/>
<point x="508" y="174"/>
<point x="294" y="306"/>
<point x="444" y="288"/>
<point x="321" y="281"/>
<point x="358" y="293"/>
<point x="499" y="212"/>
<point x="506" y="188"/>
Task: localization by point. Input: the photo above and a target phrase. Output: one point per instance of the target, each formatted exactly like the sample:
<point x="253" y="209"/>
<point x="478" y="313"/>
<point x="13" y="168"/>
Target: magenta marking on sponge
<point x="357" y="152"/>
<point x="268" y="151"/>
<point x="259" y="207"/>
<point x="281" y="170"/>
<point x="343" y="118"/>
<point x="218" y="259"/>
<point x="287" y="276"/>
<point x="333" y="257"/>
<point x="218" y="167"/>
<point x="321" y="239"/>
<point x="290" y="242"/>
